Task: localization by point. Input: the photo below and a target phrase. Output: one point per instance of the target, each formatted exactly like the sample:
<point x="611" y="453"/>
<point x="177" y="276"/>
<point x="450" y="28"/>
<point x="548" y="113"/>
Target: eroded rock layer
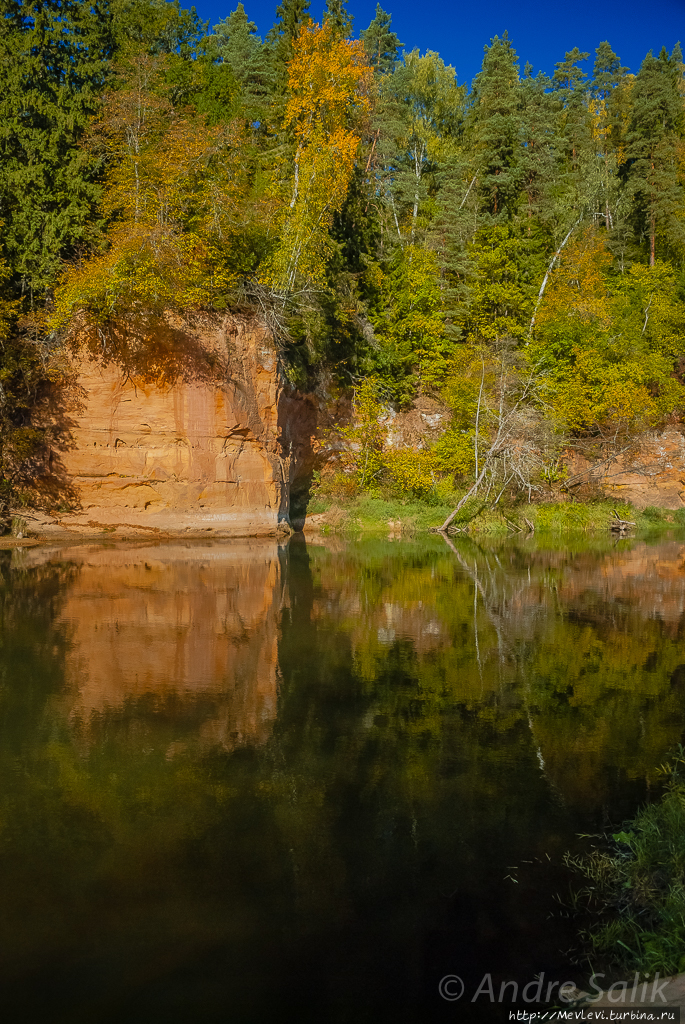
<point x="650" y="471"/>
<point x="211" y="442"/>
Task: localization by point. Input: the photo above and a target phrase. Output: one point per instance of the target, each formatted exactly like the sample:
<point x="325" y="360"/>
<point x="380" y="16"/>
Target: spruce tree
<point x="54" y="54"/>
<point x="496" y="129"/>
<point x="290" y="14"/>
<point x="337" y="14"/>
<point x="652" y="171"/>
<point x="235" y="43"/>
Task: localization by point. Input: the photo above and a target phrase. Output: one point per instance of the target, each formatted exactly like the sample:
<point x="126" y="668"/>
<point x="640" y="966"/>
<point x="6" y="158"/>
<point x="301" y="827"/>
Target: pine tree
<point x="382" y="46"/>
<point x="570" y="84"/>
<point x="54" y="55"/>
<point x="235" y="43"/>
<point x="538" y="156"/>
<point x="606" y="73"/>
<point x="607" y="76"/>
<point x="652" y="171"/>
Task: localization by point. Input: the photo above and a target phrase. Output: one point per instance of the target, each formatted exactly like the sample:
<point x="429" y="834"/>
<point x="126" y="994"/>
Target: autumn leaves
<point x="329" y="83"/>
<point x="173" y="197"/>
<point x="182" y="192"/>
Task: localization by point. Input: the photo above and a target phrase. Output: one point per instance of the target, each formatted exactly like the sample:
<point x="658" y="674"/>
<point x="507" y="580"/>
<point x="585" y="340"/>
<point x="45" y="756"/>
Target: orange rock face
<point x="209" y="448"/>
<point x="652" y="472"/>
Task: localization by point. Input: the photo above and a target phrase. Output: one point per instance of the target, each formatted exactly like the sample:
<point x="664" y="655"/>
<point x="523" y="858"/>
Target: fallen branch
<point x="619" y="525"/>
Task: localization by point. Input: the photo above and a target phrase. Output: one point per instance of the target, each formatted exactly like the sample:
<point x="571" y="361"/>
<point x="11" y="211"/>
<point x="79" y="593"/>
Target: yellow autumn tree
<point x="608" y="343"/>
<point x="329" y="82"/>
<point x="577" y="291"/>
<point x="174" y="195"/>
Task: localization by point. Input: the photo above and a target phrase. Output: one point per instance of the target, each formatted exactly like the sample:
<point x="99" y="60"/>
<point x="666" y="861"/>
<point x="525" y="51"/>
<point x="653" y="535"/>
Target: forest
<point x="515" y="249"/>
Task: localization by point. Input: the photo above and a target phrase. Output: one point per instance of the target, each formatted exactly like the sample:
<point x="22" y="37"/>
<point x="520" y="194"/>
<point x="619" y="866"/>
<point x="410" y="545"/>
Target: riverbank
<point x="374" y="513"/>
<point x="29" y="525"/>
<point x="364" y="513"/>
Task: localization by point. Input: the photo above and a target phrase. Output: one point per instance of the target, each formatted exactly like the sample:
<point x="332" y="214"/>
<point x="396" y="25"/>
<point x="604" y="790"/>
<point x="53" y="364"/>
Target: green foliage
<point x="157" y="26"/>
<point x="502" y="295"/>
<point x="291" y="15"/>
<point x="409" y="323"/>
<point x="382" y="46"/>
<point x="236" y="44"/>
<point x="636" y="887"/>
<point x="656" y="126"/>
<point x="54" y="57"/>
<point x="365" y="435"/>
<point x="496" y="115"/>
<point x="416" y="123"/>
<point x="610" y="343"/>
<point x="339" y="18"/>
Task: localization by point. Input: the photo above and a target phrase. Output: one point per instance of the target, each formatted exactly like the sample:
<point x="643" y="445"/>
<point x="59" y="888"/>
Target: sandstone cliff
<point x="187" y="430"/>
<point x="195" y="429"/>
<point x="651" y="471"/>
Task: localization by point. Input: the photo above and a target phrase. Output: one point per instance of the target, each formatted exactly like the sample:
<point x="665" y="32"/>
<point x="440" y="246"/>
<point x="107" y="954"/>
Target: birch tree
<point x="329" y="82"/>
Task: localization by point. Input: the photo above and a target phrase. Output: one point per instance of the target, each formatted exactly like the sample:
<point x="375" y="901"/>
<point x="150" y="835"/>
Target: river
<point x="253" y="782"/>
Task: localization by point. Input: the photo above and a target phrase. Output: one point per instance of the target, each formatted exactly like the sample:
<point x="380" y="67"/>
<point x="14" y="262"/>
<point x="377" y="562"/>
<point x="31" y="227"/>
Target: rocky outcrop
<point x="651" y="471"/>
<point x="191" y="430"/>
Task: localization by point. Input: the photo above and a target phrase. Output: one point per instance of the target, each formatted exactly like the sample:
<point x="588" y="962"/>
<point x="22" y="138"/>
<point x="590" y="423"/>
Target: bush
<point x="636" y="886"/>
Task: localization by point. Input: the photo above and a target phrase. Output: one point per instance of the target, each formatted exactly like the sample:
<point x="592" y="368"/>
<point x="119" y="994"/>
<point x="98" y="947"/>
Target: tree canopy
<point x="389" y="221"/>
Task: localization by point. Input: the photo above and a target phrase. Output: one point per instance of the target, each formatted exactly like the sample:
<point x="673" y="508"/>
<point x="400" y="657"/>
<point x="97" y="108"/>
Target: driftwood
<point x="618" y="525"/>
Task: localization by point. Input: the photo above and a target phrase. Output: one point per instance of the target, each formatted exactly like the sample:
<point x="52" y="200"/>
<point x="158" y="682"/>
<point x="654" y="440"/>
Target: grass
<point x="371" y="512"/>
<point x="378" y="511"/>
<point x="634" y="888"/>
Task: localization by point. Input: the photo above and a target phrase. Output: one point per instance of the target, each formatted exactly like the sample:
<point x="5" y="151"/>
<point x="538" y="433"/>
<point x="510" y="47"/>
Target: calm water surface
<point x="248" y="782"/>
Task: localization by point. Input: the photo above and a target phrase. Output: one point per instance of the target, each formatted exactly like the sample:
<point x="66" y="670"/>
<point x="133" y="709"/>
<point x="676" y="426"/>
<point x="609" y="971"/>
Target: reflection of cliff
<point x="197" y="624"/>
<point x="645" y="579"/>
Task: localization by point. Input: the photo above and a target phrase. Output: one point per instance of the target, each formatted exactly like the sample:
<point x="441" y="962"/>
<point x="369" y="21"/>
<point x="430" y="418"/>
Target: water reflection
<point x="174" y="620"/>
<point x="257" y="782"/>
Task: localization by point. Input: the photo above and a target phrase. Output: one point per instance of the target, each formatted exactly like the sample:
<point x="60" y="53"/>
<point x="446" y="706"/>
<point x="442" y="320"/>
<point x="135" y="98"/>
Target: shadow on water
<point x="253" y="782"/>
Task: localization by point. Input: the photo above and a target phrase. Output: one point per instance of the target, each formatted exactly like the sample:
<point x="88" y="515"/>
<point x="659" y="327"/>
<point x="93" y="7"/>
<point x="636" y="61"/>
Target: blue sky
<point x="542" y="30"/>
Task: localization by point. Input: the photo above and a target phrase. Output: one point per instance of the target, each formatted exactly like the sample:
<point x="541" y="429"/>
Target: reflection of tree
<point x="395" y="825"/>
<point x="594" y="662"/>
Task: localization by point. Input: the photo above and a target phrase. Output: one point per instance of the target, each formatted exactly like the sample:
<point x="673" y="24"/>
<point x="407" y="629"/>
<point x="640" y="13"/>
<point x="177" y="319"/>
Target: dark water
<point x="250" y="783"/>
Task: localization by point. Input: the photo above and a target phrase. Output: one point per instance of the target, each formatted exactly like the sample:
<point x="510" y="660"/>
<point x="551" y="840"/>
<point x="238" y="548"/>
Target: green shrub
<point x="635" y="891"/>
<point x="654" y="514"/>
